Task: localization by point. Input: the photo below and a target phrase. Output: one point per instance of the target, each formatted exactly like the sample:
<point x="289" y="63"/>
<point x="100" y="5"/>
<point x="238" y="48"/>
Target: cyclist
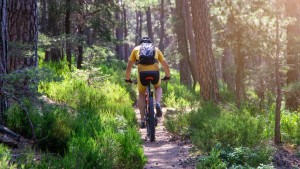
<point x="143" y="70"/>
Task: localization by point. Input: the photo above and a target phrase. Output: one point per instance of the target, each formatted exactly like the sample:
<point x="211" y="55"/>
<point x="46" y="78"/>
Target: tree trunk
<point x="55" y="54"/>
<point x="205" y="59"/>
<point x="278" y="84"/>
<point x="162" y="26"/>
<point x="293" y="52"/>
<point x="3" y="56"/>
<point x="126" y="46"/>
<point x="53" y="29"/>
<point x="149" y="24"/>
<point x="137" y="18"/>
<point x="3" y="38"/>
<point x="228" y="70"/>
<point x="80" y="49"/>
<point x="185" y="73"/>
<point x="22" y="24"/>
<point x="239" y="60"/>
<point x="191" y="39"/>
<point x="138" y="29"/>
<point x="53" y="18"/>
<point x="89" y="32"/>
<point x="43" y="20"/>
<point x="119" y="36"/>
<point x="168" y="40"/>
<point x="68" y="31"/>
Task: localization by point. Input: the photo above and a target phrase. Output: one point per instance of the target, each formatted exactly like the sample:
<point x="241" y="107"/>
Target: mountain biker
<point x="142" y="70"/>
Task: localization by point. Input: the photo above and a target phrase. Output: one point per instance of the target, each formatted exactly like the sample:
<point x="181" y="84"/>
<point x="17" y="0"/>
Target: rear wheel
<point x="147" y="121"/>
<point x="151" y="120"/>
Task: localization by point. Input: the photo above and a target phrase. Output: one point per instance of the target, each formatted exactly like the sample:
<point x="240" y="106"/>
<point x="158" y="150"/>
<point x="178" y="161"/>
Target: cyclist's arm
<point x="131" y="62"/>
<point x="163" y="62"/>
<point x="165" y="67"/>
<point x="128" y="69"/>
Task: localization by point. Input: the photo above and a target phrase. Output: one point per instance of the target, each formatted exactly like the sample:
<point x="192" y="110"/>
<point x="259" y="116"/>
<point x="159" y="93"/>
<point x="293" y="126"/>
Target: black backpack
<point x="147" y="54"/>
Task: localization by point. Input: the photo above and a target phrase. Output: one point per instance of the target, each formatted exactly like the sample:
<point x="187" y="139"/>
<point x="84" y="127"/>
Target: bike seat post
<point x="149" y="79"/>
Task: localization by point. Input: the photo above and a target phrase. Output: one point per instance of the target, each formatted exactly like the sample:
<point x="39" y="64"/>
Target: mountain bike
<point x="147" y="78"/>
<point x="150" y="114"/>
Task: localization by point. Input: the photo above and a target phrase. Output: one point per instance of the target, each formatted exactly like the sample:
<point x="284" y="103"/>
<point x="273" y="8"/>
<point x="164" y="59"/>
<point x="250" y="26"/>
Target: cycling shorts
<point x="142" y="83"/>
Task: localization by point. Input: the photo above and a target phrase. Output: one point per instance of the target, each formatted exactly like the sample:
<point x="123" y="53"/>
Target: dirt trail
<point x="165" y="152"/>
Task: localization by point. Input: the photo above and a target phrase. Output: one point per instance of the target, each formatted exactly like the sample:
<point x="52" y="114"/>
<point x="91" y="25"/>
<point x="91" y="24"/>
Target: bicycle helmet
<point x="145" y="40"/>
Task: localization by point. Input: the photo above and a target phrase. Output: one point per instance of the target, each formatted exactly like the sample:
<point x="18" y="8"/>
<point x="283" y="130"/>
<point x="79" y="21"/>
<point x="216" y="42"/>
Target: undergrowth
<point x="83" y="122"/>
<point x="227" y="136"/>
<point x="179" y="96"/>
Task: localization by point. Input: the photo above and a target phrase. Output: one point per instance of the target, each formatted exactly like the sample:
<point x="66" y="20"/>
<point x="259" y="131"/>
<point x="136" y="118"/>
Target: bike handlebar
<point x="134" y="81"/>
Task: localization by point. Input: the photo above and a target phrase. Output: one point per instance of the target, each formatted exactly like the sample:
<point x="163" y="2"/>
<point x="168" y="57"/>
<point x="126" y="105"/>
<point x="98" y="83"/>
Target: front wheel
<point x="151" y="120"/>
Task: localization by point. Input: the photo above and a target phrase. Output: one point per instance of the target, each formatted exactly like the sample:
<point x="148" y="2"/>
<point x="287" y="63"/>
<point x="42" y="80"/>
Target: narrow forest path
<point x="165" y="152"/>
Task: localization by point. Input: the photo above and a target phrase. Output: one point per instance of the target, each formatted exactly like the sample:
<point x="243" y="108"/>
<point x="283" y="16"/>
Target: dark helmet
<point x="145" y="40"/>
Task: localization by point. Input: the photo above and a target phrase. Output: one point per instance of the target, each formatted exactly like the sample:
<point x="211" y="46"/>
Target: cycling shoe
<point x="158" y="110"/>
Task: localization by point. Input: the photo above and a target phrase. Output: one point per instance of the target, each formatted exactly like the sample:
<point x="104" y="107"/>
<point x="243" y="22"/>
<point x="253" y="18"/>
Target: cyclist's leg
<point x="158" y="92"/>
<point x="141" y="100"/>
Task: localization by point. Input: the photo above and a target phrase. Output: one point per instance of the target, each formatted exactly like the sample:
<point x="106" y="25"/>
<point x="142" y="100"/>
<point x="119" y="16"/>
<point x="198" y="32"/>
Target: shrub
<point x="5" y="157"/>
<point x="290" y="126"/>
<point x="57" y="124"/>
<point x="177" y="95"/>
<point x="177" y="123"/>
<point x="245" y="156"/>
<point x="236" y="158"/>
<point x="212" y="161"/>
<point x="53" y="125"/>
<point x="229" y="126"/>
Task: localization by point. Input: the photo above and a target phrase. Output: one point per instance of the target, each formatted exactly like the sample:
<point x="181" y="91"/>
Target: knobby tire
<point x="151" y="120"/>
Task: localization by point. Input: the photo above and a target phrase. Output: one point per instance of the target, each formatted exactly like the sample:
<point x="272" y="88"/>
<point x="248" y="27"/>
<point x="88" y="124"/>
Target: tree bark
<point x="137" y="20"/>
<point x="53" y="18"/>
<point x="138" y="29"/>
<point x="149" y="24"/>
<point x="43" y="20"/>
<point x="205" y="59"/>
<point x="239" y="60"/>
<point x="162" y="26"/>
<point x="3" y="56"/>
<point x="293" y="51"/>
<point x="119" y="36"/>
<point x="126" y="46"/>
<point x="22" y="24"/>
<point x="191" y="40"/>
<point x="141" y="26"/>
<point x="68" y="31"/>
<point x="185" y="73"/>
<point x="53" y="29"/>
<point x="278" y="84"/>
<point x="80" y="49"/>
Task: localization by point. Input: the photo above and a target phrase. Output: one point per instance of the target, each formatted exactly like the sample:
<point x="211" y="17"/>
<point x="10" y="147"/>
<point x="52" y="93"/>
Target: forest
<point x="233" y="93"/>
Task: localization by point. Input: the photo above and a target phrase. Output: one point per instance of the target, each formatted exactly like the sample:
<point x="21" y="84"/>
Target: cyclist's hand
<point x="166" y="78"/>
<point x="128" y="81"/>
